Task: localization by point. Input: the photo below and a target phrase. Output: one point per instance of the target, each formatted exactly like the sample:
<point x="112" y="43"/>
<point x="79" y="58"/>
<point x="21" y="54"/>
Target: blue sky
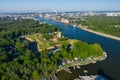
<point x="36" y="5"/>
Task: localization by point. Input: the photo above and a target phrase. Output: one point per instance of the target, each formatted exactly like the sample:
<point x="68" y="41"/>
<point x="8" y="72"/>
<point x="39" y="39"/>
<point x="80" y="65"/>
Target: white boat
<point x="78" y="67"/>
<point x="74" y="25"/>
<point x="73" y="67"/>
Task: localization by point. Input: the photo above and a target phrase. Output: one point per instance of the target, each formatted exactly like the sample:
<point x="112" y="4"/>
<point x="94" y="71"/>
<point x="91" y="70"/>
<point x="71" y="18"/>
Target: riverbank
<point x="101" y="34"/>
<point x="81" y="62"/>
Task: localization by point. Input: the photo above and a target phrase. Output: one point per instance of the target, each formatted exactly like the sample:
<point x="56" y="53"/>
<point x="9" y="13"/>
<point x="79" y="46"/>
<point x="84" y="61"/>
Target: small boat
<point x="74" y="25"/>
<point x="78" y="67"/>
<point x="94" y="61"/>
<point x="73" y="67"/>
<point x="85" y="71"/>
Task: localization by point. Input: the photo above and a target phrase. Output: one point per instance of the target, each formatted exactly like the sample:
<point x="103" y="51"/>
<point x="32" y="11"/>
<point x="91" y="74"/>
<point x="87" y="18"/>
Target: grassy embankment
<point x="45" y="44"/>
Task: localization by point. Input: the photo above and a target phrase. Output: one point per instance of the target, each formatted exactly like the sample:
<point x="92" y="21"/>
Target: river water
<point x="110" y="68"/>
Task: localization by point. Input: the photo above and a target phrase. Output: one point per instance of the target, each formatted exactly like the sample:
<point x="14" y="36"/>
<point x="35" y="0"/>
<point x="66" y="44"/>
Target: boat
<point x="73" y="67"/>
<point x="85" y="71"/>
<point x="78" y="67"/>
<point x="74" y="25"/>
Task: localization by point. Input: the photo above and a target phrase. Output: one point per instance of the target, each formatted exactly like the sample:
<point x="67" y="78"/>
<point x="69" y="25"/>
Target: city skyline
<point x="60" y="5"/>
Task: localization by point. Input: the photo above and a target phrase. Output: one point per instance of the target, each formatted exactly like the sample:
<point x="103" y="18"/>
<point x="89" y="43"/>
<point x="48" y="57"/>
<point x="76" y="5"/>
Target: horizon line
<point x="36" y="11"/>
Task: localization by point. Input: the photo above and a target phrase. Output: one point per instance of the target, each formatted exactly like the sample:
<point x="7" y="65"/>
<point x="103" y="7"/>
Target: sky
<point x="81" y="5"/>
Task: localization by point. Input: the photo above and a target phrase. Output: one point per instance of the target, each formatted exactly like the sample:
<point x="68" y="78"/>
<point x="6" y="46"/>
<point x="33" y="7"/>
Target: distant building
<point x="40" y="15"/>
<point x="66" y="21"/>
<point x="55" y="38"/>
<point x="113" y="14"/>
<point x="59" y="34"/>
<point x="15" y="18"/>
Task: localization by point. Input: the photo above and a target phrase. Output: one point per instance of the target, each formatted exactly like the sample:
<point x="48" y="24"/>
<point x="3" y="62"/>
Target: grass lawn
<point x="42" y="44"/>
<point x="45" y="44"/>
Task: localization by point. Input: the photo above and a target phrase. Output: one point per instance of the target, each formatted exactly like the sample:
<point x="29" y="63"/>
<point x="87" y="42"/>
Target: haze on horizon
<point x="64" y="5"/>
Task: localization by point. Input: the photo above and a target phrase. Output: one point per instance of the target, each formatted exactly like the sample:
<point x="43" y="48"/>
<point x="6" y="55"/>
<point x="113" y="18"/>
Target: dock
<point x="67" y="70"/>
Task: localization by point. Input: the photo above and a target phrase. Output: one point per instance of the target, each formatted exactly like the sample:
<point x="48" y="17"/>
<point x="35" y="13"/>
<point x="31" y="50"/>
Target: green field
<point x="46" y="44"/>
<point x="42" y="43"/>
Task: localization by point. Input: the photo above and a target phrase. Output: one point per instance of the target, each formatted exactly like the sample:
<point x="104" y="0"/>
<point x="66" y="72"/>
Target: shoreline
<point x="101" y="34"/>
<point x="98" y="33"/>
<point x="95" y="32"/>
<point x="80" y="63"/>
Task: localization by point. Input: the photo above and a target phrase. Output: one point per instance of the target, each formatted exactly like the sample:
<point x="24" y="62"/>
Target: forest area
<point x="103" y="24"/>
<point x="18" y="62"/>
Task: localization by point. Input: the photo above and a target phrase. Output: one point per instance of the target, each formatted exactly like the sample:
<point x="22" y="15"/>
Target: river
<point x="109" y="68"/>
